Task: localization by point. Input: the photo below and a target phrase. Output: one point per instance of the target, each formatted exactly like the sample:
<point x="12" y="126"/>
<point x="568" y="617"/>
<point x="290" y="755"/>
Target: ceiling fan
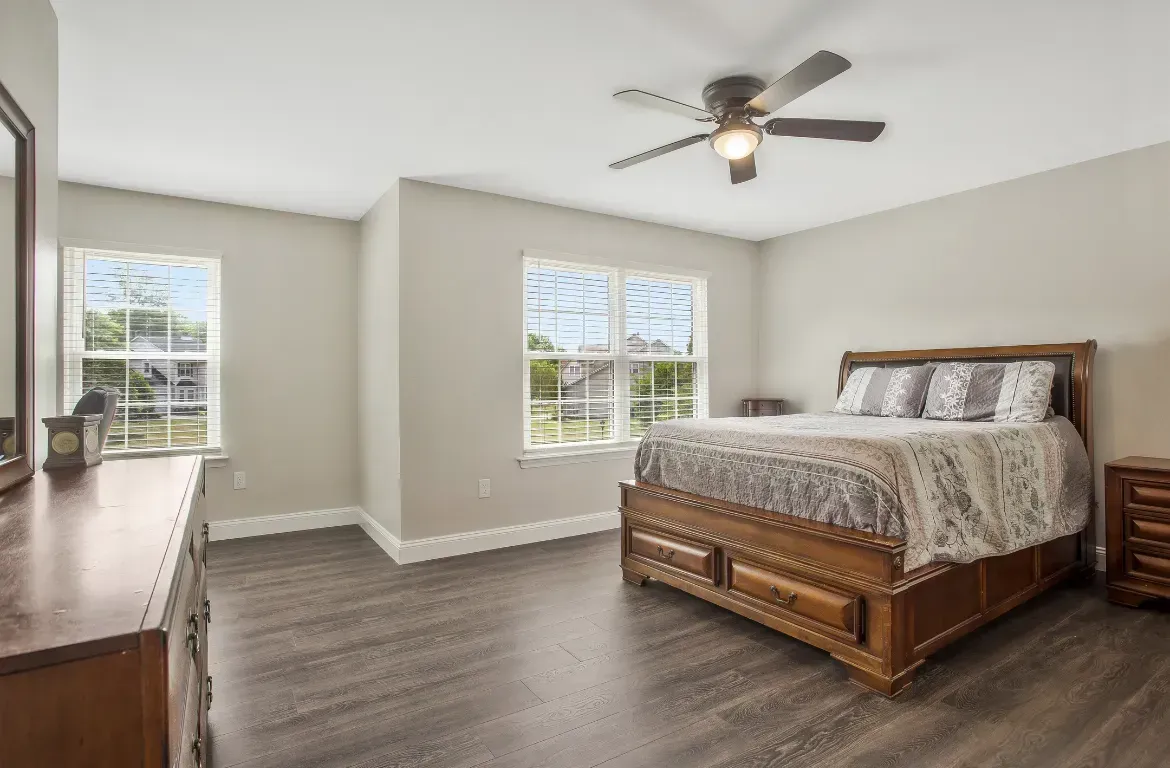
<point x="735" y="102"/>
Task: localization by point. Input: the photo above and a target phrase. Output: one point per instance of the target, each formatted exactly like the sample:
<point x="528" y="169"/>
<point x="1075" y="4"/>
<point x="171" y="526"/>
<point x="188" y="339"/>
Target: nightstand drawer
<point x="1145" y="494"/>
<point x="762" y="407"/>
<point x="1143" y="529"/>
<point x="1147" y="565"/>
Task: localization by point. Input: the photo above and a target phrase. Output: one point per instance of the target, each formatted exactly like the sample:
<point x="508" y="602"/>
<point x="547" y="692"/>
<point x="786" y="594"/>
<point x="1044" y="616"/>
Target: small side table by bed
<point x="1137" y="529"/>
<point x="763" y="406"/>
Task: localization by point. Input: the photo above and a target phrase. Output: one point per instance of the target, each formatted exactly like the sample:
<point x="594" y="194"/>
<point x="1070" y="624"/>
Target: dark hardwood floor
<point x="326" y="653"/>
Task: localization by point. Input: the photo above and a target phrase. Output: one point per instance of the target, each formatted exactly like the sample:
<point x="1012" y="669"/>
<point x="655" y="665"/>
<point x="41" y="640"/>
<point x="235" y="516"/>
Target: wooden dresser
<point x="103" y="617"/>
<point x="1137" y="529"/>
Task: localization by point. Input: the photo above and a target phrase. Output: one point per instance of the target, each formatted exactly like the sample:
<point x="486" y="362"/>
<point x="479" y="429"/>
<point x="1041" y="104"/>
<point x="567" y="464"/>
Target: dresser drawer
<point x="785" y="594"/>
<point x="1145" y="494"/>
<point x="665" y="550"/>
<point x="182" y="640"/>
<point x="199" y="528"/>
<point x="199" y="536"/>
<point x="203" y="610"/>
<point x="188" y="751"/>
<point x="1147" y="565"/>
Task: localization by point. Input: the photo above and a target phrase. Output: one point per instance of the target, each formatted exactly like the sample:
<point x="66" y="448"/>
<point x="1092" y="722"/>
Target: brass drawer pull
<point x="209" y="692"/>
<point x="665" y="555"/>
<point x="196" y="749"/>
<point x="207" y="611"/>
<point x="776" y="594"/>
<point x="193" y="633"/>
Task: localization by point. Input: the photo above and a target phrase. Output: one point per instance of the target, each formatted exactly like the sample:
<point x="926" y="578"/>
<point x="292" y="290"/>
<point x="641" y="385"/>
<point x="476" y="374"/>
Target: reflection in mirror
<point x="8" y="304"/>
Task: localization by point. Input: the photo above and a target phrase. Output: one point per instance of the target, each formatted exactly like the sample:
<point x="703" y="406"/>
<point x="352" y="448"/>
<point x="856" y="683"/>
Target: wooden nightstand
<point x="763" y="406"/>
<point x="1137" y="529"/>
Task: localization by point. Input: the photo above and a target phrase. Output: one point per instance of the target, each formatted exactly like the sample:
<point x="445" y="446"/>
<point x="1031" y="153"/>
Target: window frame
<point x="621" y="444"/>
<point x="72" y="323"/>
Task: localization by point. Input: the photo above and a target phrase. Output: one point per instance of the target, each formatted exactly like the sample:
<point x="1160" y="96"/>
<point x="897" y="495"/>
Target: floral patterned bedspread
<point x="956" y="491"/>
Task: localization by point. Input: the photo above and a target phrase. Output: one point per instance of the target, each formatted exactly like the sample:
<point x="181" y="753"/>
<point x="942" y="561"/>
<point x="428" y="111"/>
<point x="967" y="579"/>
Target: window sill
<point x="212" y="457"/>
<point x="552" y="459"/>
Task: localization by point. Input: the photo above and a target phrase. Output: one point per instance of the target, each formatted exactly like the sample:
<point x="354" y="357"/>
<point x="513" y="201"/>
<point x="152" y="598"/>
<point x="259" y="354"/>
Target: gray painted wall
<point x="461" y="278"/>
<point x="289" y="346"/>
<point x="1070" y="254"/>
<point x="378" y="391"/>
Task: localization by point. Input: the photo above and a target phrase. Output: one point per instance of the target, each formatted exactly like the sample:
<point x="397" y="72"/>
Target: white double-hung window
<point x="148" y="325"/>
<point x="608" y="350"/>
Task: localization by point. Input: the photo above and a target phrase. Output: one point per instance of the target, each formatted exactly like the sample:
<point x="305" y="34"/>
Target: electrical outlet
<point x="485" y="488"/>
<point x="239" y="483"/>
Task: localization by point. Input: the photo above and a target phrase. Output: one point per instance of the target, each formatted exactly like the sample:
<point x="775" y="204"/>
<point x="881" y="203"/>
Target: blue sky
<point x="185" y="288"/>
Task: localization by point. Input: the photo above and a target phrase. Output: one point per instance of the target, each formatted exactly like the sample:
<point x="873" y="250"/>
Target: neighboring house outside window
<point x="608" y="351"/>
<point x="148" y="325"/>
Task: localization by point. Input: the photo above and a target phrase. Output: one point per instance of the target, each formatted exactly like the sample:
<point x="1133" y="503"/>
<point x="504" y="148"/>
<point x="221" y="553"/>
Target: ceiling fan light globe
<point x="735" y="142"/>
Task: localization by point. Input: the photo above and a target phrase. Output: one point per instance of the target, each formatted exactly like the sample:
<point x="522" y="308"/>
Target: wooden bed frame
<point x="842" y="590"/>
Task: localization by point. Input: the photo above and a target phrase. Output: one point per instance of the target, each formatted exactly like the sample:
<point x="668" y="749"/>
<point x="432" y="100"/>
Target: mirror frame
<point x="13" y="119"/>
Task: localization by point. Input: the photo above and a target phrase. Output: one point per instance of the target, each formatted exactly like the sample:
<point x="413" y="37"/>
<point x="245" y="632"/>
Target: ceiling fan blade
<point x="841" y="130"/>
<point x="661" y="103"/>
<point x="743" y="169"/>
<point x="816" y="70"/>
<point x="658" y="152"/>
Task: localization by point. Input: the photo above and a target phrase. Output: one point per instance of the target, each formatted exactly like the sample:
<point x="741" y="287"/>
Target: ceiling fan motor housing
<point x="727" y="99"/>
<point x="730" y="95"/>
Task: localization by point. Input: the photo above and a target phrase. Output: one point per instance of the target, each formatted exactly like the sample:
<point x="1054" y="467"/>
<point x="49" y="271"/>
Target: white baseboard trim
<point x="389" y="543"/>
<point x="241" y="528"/>
<point x="436" y="547"/>
<point x="417" y="550"/>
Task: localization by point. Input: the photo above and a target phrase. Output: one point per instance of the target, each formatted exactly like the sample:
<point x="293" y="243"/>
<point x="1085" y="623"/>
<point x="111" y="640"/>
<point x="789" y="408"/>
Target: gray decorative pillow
<point x="990" y="391"/>
<point x="886" y="391"/>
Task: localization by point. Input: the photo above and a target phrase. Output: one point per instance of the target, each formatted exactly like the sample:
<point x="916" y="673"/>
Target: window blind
<point x="147" y="325"/>
<point x="608" y="351"/>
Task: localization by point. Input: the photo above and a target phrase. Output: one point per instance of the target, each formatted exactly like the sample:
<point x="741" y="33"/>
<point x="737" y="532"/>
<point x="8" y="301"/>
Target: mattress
<point x="954" y="491"/>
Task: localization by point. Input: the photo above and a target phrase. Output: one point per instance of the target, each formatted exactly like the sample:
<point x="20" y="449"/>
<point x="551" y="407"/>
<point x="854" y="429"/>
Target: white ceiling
<point x="317" y="106"/>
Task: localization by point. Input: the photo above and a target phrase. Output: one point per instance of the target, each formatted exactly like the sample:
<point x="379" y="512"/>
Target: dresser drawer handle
<point x="776" y="594"/>
<point x="207" y="611"/>
<point x="206" y="530"/>
<point x="665" y="555"/>
<point x="196" y="749"/>
<point x="209" y="692"/>
<point x="193" y="634"/>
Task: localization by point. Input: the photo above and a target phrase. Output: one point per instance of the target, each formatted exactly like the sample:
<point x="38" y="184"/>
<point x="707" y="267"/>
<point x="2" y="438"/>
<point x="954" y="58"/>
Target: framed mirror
<point x="17" y="238"/>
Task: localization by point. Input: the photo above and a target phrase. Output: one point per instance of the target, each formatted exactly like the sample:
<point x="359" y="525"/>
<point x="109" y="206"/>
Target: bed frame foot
<point x="1083" y="577"/>
<point x="633" y="577"/>
<point x="873" y="681"/>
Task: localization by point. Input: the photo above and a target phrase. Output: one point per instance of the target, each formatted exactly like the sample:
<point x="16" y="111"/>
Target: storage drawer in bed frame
<point x="841" y="590"/>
